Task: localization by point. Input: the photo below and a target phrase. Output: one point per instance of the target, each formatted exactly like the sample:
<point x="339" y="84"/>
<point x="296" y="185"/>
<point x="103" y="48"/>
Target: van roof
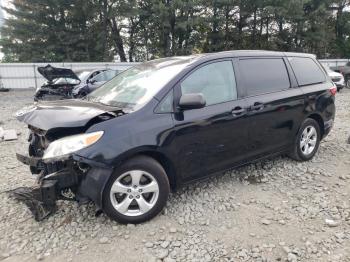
<point x="190" y="59"/>
<point x="239" y="53"/>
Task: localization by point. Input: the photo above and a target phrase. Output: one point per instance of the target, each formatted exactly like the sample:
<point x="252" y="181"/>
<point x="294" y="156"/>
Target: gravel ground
<point x="275" y="210"/>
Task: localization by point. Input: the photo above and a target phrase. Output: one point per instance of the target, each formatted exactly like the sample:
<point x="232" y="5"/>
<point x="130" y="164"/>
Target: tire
<point x="121" y="191"/>
<point x="305" y="147"/>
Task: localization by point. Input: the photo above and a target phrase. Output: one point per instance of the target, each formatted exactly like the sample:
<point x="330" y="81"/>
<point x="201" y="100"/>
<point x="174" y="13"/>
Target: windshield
<point x="83" y="74"/>
<point x="136" y="86"/>
<point x="63" y="80"/>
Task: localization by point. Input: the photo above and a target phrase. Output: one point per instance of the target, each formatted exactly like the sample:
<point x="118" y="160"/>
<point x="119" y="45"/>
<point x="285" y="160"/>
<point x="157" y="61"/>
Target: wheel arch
<point x="318" y="118"/>
<point x="158" y="156"/>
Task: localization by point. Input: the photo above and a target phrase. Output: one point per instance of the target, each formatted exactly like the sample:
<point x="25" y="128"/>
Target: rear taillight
<point x="333" y="90"/>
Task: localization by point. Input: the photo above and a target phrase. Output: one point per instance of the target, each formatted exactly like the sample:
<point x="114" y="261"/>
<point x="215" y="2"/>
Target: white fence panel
<point x="26" y="75"/>
<point x="334" y="62"/>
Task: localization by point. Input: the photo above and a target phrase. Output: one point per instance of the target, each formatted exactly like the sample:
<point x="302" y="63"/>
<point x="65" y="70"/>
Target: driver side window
<point x="100" y="77"/>
<point x="216" y="81"/>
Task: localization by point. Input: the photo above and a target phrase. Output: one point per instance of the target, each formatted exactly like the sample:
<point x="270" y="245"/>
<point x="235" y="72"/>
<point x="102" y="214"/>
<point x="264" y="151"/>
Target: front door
<point x="211" y="138"/>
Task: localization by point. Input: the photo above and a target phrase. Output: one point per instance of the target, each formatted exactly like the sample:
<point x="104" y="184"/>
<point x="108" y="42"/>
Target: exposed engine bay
<point x="60" y="83"/>
<point x="52" y="92"/>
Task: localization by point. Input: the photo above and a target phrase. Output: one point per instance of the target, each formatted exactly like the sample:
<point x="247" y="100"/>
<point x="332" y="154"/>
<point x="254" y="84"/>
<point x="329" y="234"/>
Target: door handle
<point x="257" y="106"/>
<point x="238" y="111"/>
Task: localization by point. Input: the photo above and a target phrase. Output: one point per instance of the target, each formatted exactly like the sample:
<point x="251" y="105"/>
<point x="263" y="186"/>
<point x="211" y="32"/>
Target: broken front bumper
<point x="28" y="160"/>
<point x="84" y="178"/>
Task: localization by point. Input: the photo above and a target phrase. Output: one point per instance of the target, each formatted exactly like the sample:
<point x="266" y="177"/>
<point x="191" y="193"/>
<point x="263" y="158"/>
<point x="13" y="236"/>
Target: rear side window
<point x="264" y="75"/>
<point x="306" y="71"/>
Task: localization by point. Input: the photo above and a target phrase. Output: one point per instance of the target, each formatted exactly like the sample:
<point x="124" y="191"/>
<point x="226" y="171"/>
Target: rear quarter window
<point x="264" y="75"/>
<point x="306" y="71"/>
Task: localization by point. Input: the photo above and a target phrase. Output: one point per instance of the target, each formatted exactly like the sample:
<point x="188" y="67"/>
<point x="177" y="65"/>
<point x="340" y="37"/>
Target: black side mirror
<point x="192" y="101"/>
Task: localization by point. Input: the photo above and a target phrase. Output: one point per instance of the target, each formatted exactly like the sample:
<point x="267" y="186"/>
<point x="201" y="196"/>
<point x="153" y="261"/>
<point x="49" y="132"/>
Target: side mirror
<point x="192" y="101"/>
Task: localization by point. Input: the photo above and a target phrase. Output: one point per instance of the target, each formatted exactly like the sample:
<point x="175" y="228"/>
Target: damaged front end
<point x="60" y="83"/>
<point x="70" y="178"/>
<point x="53" y="156"/>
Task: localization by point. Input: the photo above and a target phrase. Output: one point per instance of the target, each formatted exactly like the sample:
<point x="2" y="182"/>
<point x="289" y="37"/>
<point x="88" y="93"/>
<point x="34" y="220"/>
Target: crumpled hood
<point x="51" y="73"/>
<point x="62" y="113"/>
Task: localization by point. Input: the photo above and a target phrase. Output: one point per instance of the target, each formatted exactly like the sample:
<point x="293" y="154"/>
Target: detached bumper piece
<point x="40" y="201"/>
<point x="27" y="160"/>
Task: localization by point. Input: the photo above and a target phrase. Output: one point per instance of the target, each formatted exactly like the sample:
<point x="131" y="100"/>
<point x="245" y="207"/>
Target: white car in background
<point x="337" y="78"/>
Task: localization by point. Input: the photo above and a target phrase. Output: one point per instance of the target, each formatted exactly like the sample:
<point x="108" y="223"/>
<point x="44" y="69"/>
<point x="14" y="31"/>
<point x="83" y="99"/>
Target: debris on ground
<point x="332" y="223"/>
<point x="9" y="135"/>
<point x="2" y="88"/>
<point x="30" y="196"/>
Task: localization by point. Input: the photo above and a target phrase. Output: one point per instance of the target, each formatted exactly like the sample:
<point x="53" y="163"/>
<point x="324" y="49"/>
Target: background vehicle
<point x="91" y="80"/>
<point x="345" y="71"/>
<point x="63" y="83"/>
<point x="175" y="120"/>
<point x="337" y="78"/>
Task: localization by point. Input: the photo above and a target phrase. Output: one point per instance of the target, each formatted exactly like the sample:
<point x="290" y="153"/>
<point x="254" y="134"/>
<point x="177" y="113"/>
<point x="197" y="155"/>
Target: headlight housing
<point x="70" y="144"/>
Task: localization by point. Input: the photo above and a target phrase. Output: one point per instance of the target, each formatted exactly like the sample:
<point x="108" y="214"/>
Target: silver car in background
<point x="337" y="78"/>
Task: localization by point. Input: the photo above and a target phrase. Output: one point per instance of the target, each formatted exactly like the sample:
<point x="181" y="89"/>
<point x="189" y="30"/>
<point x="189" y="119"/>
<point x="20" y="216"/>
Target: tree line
<point x="138" y="30"/>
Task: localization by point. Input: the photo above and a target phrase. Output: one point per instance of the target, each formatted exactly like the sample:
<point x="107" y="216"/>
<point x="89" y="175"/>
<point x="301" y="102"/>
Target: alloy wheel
<point x="134" y="193"/>
<point x="308" y="140"/>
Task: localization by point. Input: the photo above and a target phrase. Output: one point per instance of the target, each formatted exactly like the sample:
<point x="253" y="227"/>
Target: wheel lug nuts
<point x="130" y="197"/>
<point x="129" y="190"/>
<point x="140" y="190"/>
<point x="137" y="196"/>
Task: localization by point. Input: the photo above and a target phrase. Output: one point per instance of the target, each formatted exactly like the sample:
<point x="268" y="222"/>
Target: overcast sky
<point x="2" y="14"/>
<point x="5" y="3"/>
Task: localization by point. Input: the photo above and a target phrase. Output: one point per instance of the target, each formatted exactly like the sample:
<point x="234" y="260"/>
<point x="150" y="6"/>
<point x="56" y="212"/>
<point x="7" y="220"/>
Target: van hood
<point x="51" y="73"/>
<point x="65" y="114"/>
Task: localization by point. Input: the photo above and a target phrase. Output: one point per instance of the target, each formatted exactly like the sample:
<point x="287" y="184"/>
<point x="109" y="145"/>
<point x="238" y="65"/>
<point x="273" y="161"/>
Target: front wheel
<point x="137" y="191"/>
<point x="307" y="141"/>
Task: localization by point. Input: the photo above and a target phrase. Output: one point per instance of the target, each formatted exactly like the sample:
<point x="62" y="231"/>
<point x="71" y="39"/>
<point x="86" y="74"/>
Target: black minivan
<point x="171" y="121"/>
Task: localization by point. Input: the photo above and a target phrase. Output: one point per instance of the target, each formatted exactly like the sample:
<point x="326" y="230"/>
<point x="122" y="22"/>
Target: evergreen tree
<point x="138" y="30"/>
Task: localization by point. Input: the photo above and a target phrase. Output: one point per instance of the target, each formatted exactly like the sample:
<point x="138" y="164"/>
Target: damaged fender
<point x="92" y="185"/>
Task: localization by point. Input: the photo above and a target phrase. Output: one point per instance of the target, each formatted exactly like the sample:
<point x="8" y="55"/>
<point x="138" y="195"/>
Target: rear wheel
<point x="307" y="141"/>
<point x="137" y="191"/>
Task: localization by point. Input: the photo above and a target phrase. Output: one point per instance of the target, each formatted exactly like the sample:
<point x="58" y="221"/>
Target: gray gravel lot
<point x="275" y="210"/>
